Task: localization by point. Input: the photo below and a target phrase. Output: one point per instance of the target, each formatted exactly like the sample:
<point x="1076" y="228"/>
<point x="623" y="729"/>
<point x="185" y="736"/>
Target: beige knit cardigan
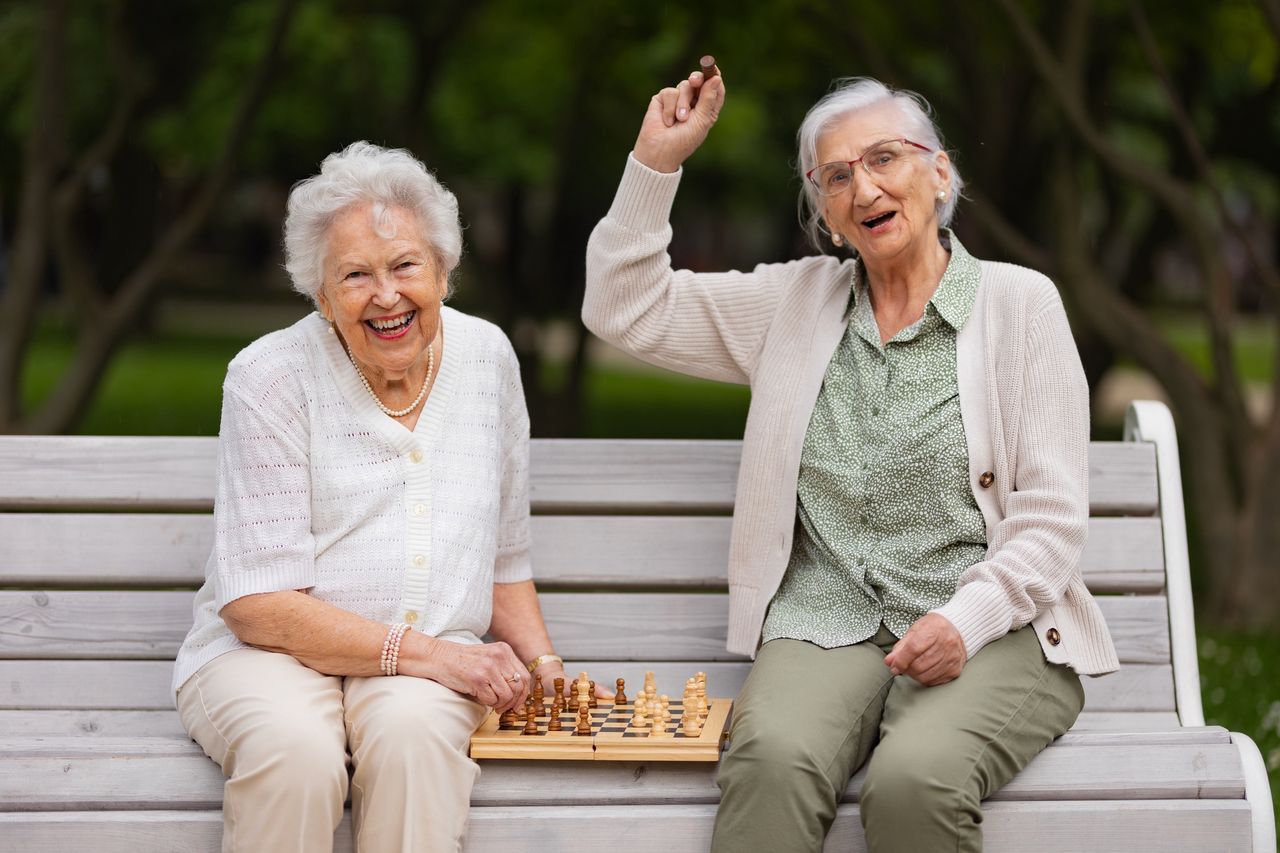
<point x="1023" y="399"/>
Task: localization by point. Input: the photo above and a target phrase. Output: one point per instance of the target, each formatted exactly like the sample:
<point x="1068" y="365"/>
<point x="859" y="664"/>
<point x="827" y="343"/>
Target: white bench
<point x="103" y="540"/>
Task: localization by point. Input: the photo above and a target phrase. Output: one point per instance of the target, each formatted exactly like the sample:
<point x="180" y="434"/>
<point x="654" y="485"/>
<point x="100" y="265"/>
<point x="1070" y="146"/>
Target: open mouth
<point x="392" y="327"/>
<point x="876" y="221"/>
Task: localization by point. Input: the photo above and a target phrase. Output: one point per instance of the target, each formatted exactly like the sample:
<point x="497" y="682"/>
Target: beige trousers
<point x="284" y="735"/>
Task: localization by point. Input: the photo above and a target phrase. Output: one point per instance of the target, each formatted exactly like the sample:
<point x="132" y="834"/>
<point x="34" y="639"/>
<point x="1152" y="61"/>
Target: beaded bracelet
<point x="390" y="660"/>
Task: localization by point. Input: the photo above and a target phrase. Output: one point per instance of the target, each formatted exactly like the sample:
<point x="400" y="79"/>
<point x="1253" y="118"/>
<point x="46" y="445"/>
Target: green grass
<point x="1240" y="687"/>
<point x="1253" y="344"/>
<point x="170" y="385"/>
<point x="163" y="385"/>
<point x="642" y="405"/>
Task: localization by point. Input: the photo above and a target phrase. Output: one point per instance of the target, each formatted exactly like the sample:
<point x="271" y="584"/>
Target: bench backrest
<point x="104" y="540"/>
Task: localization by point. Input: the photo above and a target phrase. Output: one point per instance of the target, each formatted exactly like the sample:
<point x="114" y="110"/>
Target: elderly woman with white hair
<point x="912" y="498"/>
<point x="371" y="525"/>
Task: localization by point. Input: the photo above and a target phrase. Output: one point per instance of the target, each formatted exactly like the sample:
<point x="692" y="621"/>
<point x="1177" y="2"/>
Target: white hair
<point x="848" y="95"/>
<point x="364" y="173"/>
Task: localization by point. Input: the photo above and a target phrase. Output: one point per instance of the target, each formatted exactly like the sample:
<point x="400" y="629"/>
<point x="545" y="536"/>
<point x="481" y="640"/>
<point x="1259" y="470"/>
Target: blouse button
<point x="1053" y="636"/>
<point x="986" y="479"/>
<point x="415" y="456"/>
<point x="410" y="616"/>
<point x="419" y="560"/>
<point x="420" y="509"/>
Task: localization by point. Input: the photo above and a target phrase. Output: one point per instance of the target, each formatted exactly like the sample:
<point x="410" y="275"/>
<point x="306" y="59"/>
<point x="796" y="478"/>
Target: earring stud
<point x="942" y="196"/>
<point x="837" y="240"/>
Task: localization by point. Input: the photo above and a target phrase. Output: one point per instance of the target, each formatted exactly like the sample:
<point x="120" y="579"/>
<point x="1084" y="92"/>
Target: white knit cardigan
<point x="1023" y="399"/>
<point x="318" y="490"/>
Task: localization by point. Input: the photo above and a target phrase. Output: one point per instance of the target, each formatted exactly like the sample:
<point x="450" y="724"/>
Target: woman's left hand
<point x="932" y="651"/>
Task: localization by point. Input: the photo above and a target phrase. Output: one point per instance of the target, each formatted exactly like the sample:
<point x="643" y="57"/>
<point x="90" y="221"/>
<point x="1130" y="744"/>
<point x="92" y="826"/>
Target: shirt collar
<point x="956" y="292"/>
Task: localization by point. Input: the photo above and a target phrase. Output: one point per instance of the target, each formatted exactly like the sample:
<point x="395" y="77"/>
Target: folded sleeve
<point x="512" y="563"/>
<point x="262" y="514"/>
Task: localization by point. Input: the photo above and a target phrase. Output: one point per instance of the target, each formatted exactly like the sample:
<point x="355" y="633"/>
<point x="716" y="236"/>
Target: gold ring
<point x="515" y="677"/>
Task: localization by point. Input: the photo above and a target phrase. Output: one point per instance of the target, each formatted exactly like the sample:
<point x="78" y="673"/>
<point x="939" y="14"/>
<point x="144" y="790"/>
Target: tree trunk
<point x="41" y="161"/>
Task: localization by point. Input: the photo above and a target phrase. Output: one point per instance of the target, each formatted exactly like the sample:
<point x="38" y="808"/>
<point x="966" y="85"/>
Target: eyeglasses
<point x="880" y="161"/>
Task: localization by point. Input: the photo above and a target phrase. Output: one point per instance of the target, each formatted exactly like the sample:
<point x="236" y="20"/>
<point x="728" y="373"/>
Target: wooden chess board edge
<point x="490" y="742"/>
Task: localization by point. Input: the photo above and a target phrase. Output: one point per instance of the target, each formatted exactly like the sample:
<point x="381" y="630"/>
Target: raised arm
<point x="708" y="325"/>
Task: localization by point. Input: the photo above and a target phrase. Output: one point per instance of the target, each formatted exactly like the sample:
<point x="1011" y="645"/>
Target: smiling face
<point x="382" y="291"/>
<point x="892" y="217"/>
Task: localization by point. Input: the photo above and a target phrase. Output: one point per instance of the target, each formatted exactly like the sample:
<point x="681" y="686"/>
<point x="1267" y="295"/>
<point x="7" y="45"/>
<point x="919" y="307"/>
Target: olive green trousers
<point x="808" y="717"/>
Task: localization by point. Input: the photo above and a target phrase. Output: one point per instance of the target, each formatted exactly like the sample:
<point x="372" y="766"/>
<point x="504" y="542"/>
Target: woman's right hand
<point x="483" y="672"/>
<point x="673" y="129"/>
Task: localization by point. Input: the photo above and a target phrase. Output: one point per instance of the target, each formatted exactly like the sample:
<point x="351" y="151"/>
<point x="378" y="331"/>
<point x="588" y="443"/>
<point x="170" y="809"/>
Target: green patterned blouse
<point x="886" y="520"/>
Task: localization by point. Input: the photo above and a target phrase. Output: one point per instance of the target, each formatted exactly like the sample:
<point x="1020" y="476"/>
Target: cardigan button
<point x="1053" y="636"/>
<point x="986" y="479"/>
<point x="410" y="616"/>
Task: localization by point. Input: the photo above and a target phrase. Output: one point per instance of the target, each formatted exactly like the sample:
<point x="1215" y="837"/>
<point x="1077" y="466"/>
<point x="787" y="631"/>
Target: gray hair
<point x="366" y="173"/>
<point x="847" y="95"/>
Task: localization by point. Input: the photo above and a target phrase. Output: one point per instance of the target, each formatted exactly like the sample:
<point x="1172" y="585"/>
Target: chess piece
<point x="692" y="725"/>
<point x="584" y="718"/>
<point x="572" y="702"/>
<point x="553" y="724"/>
<point x="538" y="694"/>
<point x="638" y="718"/>
<point x="659" y="724"/>
<point x="650" y="686"/>
<point x="559" y="688"/>
<point x="620" y="698"/>
<point x="592" y="700"/>
<point x="530" y="718"/>
<point x="665" y="705"/>
<point x="508" y="717"/>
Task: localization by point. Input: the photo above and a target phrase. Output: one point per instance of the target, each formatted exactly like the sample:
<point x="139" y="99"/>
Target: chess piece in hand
<point x="678" y="120"/>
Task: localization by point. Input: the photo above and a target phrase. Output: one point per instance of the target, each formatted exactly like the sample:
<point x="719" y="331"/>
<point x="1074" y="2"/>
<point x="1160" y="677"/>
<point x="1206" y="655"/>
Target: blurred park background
<point x="1127" y="149"/>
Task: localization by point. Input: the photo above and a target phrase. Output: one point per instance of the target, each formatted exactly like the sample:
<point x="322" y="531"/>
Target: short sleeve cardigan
<point x="319" y="491"/>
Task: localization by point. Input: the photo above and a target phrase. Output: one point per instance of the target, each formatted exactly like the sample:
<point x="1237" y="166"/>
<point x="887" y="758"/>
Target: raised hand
<point x="678" y="120"/>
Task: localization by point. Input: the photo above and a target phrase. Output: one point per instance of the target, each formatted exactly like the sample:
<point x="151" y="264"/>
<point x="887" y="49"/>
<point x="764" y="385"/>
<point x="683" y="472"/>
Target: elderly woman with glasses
<point x="371" y="525"/>
<point x="912" y="498"/>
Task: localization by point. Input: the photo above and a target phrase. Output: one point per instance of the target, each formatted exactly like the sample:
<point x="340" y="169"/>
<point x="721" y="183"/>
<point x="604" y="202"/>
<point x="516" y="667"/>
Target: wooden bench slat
<point x="142" y="684"/>
<point x="1166" y="826"/>
<point x="151" y="744"/>
<point x="91" y="723"/>
<point x="155" y="550"/>
<point x="586" y="626"/>
<point x="171" y="773"/>
<point x="566" y="475"/>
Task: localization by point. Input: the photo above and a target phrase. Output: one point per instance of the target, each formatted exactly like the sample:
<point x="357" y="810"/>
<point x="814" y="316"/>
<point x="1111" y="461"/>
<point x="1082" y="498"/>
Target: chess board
<point x="612" y="737"/>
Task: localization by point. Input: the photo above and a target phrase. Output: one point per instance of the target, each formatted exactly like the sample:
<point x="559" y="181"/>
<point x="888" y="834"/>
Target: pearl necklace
<point x="398" y="413"/>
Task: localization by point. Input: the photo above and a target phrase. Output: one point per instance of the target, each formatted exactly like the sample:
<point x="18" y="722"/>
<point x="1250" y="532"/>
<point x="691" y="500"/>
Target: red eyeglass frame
<point x="851" y="163"/>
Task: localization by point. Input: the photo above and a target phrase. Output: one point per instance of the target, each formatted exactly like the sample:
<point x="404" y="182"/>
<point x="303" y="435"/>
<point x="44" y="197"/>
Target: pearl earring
<point x="942" y="196"/>
<point x="837" y="240"/>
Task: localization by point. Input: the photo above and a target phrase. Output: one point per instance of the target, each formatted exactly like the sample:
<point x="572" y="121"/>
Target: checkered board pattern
<point x="612" y="737"/>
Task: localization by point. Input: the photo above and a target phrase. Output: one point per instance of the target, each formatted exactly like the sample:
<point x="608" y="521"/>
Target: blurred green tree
<point x="80" y="153"/>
